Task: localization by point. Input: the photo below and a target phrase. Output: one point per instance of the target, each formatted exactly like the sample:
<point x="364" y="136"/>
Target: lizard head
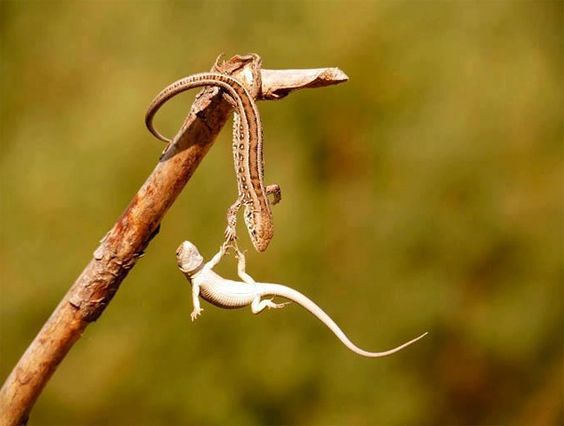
<point x="188" y="257"/>
<point x="260" y="233"/>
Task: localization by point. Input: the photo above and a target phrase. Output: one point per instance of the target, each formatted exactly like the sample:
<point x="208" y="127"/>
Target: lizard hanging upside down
<point x="247" y="145"/>
<point x="236" y="294"/>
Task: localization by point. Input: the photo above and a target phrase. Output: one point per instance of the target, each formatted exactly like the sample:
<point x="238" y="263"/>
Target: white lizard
<point x="236" y="294"/>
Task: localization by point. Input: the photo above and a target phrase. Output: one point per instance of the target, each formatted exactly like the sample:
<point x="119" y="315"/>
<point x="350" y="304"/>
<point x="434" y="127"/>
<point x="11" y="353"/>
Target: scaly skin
<point x="226" y="293"/>
<point x="247" y="153"/>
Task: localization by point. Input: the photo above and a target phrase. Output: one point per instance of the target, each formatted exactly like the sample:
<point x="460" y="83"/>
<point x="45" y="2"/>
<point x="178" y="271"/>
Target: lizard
<point x="247" y="150"/>
<point x="226" y="293"/>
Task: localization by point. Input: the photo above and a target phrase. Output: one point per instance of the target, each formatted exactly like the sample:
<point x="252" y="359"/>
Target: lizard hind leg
<point x="260" y="305"/>
<point x="274" y="192"/>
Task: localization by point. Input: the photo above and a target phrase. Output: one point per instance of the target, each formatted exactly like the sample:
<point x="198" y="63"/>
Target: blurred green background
<point x="424" y="194"/>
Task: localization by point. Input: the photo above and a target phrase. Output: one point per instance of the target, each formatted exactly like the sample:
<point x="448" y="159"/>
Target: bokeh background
<point x="426" y="194"/>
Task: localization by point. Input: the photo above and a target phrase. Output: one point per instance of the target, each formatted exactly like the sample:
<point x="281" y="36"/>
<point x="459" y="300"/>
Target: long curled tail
<point x="300" y="299"/>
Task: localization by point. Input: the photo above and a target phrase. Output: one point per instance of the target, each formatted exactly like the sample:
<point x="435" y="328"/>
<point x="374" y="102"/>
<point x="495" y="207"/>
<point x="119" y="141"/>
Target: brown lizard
<point x="247" y="149"/>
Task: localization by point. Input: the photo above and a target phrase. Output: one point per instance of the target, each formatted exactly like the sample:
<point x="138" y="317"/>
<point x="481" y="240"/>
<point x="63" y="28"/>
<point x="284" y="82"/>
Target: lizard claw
<point x="230" y="233"/>
<point x="273" y="305"/>
<point x="229" y="244"/>
<point x="196" y="313"/>
<point x="240" y="254"/>
<point x="230" y="239"/>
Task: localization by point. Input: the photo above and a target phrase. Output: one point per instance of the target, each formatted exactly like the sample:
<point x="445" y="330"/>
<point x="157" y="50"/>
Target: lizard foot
<point x="273" y="305"/>
<point x="230" y="234"/>
<point x="196" y="313"/>
<point x="260" y="305"/>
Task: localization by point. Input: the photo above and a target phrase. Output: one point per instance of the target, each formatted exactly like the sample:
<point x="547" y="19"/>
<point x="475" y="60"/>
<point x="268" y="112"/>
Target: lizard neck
<point x="190" y="275"/>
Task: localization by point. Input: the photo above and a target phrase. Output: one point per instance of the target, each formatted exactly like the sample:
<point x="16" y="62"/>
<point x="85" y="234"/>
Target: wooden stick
<point x="125" y="242"/>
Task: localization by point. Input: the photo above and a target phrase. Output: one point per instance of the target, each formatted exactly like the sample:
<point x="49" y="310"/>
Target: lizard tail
<point x="308" y="304"/>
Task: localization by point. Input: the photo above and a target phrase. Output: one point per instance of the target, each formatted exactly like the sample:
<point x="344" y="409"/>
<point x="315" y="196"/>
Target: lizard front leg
<point x="196" y="302"/>
<point x="217" y="258"/>
<point x="231" y="229"/>
<point x="275" y="192"/>
<point x="241" y="266"/>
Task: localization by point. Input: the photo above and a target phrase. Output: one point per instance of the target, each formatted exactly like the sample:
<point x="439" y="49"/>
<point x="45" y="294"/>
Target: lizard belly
<point x="225" y="298"/>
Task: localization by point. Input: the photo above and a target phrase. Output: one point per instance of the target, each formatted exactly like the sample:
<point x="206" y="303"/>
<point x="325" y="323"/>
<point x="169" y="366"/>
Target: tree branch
<point x="126" y="241"/>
